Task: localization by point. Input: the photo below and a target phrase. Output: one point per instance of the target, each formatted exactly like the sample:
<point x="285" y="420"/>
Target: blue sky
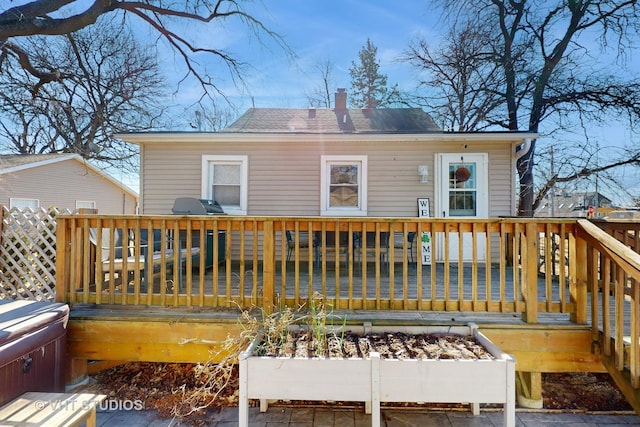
<point x="318" y="30"/>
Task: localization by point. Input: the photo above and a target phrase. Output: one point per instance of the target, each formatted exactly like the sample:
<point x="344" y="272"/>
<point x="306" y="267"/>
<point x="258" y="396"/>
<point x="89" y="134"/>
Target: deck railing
<point x="503" y="265"/>
<point x="613" y="275"/>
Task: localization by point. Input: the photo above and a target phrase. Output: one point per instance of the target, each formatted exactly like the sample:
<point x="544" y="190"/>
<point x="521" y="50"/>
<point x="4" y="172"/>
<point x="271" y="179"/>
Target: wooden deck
<point x="495" y="288"/>
<point x="492" y="289"/>
<point x="560" y="295"/>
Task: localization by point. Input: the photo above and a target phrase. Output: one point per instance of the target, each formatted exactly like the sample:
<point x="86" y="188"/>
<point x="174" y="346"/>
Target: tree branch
<point x="583" y="173"/>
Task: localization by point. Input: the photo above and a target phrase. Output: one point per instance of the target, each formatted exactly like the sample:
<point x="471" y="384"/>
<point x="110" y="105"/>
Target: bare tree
<point x="211" y="119"/>
<point x="321" y="95"/>
<point x="565" y="165"/>
<point x="547" y="74"/>
<point x="459" y="77"/>
<point x="111" y="84"/>
<point x="60" y="17"/>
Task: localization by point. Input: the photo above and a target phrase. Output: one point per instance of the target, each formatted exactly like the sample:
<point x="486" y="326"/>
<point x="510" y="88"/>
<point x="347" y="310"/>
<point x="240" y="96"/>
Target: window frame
<point x="243" y="162"/>
<point x="325" y="163"/>
<point x="92" y="202"/>
<point x="12" y="201"/>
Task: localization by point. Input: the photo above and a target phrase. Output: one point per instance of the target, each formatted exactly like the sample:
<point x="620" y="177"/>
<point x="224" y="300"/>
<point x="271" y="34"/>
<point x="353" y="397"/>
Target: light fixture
<point x="423" y="171"/>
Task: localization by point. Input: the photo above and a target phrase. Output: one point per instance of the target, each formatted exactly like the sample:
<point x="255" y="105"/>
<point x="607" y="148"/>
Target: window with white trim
<point x="225" y="180"/>
<point x="85" y="204"/>
<point x="343" y="185"/>
<point x="20" y="203"/>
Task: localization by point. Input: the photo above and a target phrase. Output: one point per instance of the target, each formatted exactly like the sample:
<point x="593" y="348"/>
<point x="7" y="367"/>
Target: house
<point x="333" y="162"/>
<point x="64" y="181"/>
<point x="575" y="204"/>
<point x="336" y="162"/>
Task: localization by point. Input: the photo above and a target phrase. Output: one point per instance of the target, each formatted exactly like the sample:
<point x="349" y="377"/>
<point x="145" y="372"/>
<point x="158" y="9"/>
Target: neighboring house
<point x="64" y="181"/>
<point x="333" y="162"/>
<point x="575" y="204"/>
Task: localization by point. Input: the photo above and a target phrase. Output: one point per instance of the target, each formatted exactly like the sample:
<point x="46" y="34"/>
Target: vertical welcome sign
<point x="425" y="239"/>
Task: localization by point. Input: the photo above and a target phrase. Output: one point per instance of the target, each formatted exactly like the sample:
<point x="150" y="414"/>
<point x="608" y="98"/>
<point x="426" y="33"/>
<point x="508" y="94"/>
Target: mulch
<point x="163" y="387"/>
<point x="582" y="391"/>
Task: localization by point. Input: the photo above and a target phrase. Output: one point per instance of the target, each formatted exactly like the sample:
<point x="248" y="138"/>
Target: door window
<point x="463" y="192"/>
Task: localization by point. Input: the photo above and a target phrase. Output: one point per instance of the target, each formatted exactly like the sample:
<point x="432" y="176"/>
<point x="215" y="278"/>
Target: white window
<point x="24" y="203"/>
<point x="85" y="204"/>
<point x="225" y="180"/>
<point x="343" y="185"/>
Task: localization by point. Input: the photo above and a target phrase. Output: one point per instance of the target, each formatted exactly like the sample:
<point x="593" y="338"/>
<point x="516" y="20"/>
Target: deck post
<point x="578" y="286"/>
<point x="62" y="259"/>
<point x="268" y="267"/>
<point x="529" y="390"/>
<point x="530" y="278"/>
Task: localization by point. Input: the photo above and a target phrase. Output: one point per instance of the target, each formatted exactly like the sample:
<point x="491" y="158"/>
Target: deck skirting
<point x="192" y="335"/>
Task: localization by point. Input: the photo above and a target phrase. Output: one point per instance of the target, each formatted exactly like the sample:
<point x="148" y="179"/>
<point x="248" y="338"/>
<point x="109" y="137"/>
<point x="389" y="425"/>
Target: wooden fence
<point x="28" y="253"/>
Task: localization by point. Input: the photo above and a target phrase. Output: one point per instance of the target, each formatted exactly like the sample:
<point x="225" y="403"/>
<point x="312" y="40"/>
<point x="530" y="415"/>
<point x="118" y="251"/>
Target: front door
<point x="462" y="192"/>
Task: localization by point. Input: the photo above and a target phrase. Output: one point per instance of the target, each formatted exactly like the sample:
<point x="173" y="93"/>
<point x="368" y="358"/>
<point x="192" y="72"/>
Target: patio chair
<point x="116" y="245"/>
<point x="303" y="241"/>
<point x="398" y="243"/>
<point x="330" y="245"/>
<point x="148" y="260"/>
<point x="368" y="247"/>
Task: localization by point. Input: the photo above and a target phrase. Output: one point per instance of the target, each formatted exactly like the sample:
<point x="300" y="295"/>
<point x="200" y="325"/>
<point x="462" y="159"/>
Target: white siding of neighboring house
<point x="60" y="184"/>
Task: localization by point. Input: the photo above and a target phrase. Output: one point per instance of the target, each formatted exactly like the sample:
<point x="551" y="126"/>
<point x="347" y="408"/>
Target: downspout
<point x="523" y="149"/>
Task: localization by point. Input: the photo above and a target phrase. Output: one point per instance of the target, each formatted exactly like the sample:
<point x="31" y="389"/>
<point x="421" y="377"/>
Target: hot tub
<point x="32" y="347"/>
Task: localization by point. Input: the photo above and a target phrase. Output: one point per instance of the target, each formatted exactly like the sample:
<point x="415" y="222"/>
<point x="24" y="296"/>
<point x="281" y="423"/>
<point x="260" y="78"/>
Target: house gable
<point x="63" y="181"/>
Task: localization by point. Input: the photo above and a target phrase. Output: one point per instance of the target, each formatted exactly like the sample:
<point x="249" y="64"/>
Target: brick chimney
<point x="341" y="99"/>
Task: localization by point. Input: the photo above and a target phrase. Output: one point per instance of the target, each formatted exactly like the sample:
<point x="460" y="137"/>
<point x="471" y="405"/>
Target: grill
<point x="193" y="206"/>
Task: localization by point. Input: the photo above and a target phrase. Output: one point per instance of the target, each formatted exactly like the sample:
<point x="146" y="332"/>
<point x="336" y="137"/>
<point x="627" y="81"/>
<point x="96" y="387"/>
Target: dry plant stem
<point x="318" y="340"/>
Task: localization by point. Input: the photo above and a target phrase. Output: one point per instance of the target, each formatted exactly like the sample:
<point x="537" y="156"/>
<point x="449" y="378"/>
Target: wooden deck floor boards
<point x="392" y="286"/>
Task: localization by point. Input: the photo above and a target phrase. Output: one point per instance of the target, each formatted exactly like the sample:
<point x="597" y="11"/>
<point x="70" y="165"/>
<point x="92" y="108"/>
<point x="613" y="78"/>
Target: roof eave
<point x="200" y="137"/>
<point x="39" y="163"/>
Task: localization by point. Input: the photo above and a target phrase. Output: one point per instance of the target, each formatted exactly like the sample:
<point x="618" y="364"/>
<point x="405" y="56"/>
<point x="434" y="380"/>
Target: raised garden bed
<point x="470" y="368"/>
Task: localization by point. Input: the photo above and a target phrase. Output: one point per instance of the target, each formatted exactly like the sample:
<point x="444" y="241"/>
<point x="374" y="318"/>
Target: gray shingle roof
<point x="310" y="120"/>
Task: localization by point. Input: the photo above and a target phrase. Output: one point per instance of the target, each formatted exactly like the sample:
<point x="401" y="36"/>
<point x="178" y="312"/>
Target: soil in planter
<point x="392" y="345"/>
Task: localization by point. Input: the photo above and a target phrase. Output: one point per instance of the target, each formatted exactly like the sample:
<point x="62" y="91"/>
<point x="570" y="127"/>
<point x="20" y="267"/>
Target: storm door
<point x="462" y="188"/>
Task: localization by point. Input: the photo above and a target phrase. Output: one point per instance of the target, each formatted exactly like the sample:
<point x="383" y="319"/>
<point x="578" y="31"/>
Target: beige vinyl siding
<point x="284" y="173"/>
<point x="284" y="177"/>
<point x="502" y="190"/>
<point x="60" y="184"/>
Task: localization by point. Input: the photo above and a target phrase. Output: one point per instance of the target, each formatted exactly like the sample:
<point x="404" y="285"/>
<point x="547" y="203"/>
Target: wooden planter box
<point x="374" y="380"/>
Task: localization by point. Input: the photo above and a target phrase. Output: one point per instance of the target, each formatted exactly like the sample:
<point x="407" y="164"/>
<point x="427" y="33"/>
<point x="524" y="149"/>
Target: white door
<point x="462" y="192"/>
